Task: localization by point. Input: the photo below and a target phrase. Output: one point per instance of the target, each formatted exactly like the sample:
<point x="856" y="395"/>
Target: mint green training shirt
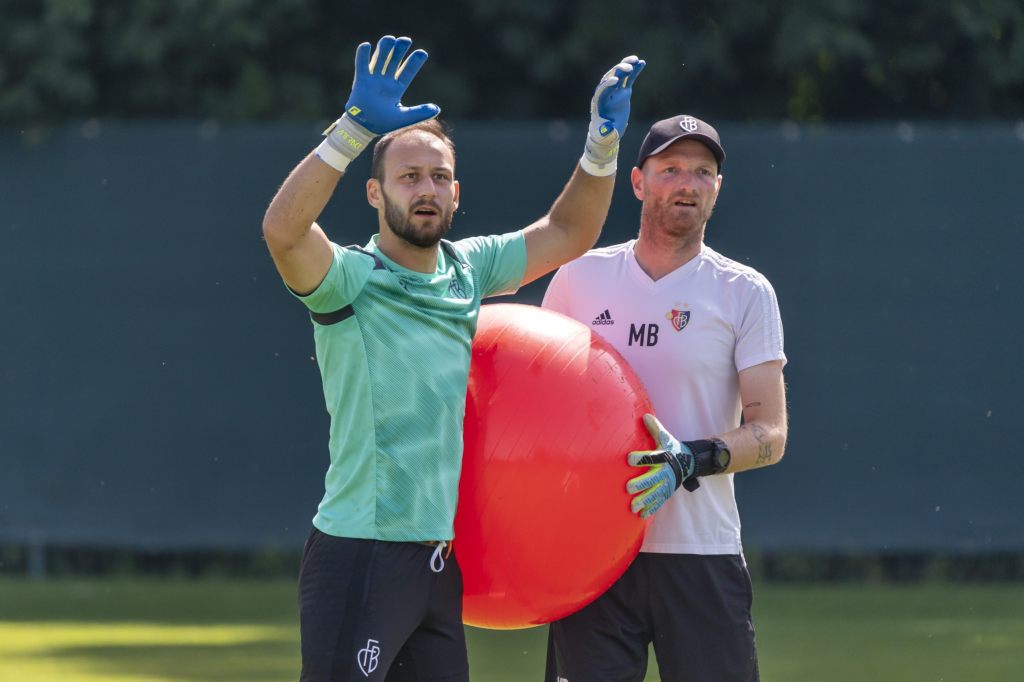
<point x="395" y="365"/>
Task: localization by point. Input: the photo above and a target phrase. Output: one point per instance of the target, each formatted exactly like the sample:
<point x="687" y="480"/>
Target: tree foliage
<point x="817" y="60"/>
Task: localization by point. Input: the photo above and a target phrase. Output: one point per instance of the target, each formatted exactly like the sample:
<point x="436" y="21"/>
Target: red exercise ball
<point x="543" y="525"/>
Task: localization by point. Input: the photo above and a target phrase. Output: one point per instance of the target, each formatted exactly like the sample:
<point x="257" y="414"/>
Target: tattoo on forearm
<point x="753" y="404"/>
<point x="764" y="445"/>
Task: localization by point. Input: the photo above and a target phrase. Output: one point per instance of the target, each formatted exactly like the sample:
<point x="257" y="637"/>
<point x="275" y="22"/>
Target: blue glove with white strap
<point x="668" y="468"/>
<point x="374" y="107"/>
<point x="609" y="114"/>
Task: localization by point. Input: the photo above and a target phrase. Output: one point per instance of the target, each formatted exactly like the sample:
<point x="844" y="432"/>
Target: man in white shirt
<point x="704" y="334"/>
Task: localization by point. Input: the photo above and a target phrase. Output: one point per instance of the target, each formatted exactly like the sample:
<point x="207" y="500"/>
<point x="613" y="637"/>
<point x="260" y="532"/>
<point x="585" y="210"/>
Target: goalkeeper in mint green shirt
<point x="380" y="596"/>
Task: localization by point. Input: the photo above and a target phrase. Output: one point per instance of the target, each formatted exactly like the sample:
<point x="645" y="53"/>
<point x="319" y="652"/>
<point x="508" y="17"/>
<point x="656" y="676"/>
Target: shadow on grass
<point x="149" y="601"/>
<point x="266" y="660"/>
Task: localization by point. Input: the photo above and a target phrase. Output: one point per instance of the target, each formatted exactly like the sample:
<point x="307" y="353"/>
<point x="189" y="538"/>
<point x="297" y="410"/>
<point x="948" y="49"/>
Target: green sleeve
<point x="344" y="280"/>
<point x="499" y="260"/>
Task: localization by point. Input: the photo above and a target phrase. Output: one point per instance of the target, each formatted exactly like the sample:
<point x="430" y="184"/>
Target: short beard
<point x="658" y="218"/>
<point x="400" y="223"/>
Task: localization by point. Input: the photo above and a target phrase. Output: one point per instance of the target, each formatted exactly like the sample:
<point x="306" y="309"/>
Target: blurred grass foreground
<point x="151" y="630"/>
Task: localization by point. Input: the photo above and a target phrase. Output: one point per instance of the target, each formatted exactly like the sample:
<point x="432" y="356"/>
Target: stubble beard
<point x="657" y="218"/>
<point x="424" y="237"/>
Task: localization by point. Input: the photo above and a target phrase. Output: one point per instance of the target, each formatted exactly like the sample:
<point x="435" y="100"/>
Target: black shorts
<point x="695" y="609"/>
<point x="371" y="610"/>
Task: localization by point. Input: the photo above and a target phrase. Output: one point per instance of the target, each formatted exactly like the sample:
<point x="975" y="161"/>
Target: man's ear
<point x="374" y="195"/>
<point x="636" y="178"/>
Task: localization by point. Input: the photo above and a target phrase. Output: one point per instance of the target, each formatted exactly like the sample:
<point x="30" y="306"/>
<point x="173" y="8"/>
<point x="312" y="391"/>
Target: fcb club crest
<point x="678" y="318"/>
<point x="688" y="123"/>
<point x="368" y="657"/>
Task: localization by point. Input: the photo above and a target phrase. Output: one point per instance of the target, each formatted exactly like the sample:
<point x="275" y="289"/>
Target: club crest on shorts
<point x="689" y="124"/>
<point x="368" y="657"/>
<point x="679" y="319"/>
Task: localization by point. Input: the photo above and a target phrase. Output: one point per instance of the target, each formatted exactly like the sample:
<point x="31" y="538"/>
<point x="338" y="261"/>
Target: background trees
<point x="827" y="60"/>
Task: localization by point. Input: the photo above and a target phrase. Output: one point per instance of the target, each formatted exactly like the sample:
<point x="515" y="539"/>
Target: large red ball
<point x="543" y="525"/>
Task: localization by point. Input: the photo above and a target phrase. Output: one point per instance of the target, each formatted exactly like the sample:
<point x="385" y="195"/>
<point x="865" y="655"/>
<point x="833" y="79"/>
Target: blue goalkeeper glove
<point x="374" y="107"/>
<point x="667" y="468"/>
<point x="609" y="114"/>
<point x="676" y="463"/>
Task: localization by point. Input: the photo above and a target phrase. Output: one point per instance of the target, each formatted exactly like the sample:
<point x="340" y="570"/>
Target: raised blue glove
<point x="667" y="469"/>
<point x="609" y="114"/>
<point x="374" y="107"/>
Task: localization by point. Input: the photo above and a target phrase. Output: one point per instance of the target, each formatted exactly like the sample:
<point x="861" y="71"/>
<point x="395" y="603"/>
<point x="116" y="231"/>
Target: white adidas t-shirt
<point x="686" y="336"/>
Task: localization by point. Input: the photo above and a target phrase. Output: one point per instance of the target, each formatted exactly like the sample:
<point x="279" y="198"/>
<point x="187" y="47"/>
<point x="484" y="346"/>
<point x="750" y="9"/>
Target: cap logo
<point x="689" y="124"/>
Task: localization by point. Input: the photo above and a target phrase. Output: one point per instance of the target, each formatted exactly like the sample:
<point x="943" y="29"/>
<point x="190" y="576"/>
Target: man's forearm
<point x="582" y="207"/>
<point x="299" y="202"/>
<point x="755" y="445"/>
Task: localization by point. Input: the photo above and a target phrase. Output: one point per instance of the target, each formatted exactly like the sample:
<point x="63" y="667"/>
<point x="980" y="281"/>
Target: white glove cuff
<point x="601" y="170"/>
<point x="343" y="141"/>
<point x="332" y="157"/>
<point x="600" y="154"/>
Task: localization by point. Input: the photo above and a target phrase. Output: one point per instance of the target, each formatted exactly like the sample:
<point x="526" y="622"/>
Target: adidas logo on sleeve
<point x="603" y="318"/>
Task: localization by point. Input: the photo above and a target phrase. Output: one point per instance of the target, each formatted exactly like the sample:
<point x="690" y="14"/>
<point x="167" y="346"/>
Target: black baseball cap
<point x="683" y="127"/>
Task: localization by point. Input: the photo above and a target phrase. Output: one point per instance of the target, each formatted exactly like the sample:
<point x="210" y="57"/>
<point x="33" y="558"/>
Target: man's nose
<point x="689" y="179"/>
<point x="427" y="188"/>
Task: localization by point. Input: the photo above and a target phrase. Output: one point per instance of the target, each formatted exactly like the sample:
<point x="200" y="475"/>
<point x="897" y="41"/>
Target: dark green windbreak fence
<point x="157" y="386"/>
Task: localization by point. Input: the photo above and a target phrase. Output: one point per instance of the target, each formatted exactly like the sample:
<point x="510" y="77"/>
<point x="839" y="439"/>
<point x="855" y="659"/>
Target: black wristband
<point x="707" y="461"/>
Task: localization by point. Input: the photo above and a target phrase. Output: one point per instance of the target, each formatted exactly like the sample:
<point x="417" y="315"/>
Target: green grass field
<point x="246" y="631"/>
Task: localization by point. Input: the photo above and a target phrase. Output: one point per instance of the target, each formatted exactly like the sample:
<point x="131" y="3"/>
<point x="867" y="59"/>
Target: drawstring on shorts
<point x="439" y="555"/>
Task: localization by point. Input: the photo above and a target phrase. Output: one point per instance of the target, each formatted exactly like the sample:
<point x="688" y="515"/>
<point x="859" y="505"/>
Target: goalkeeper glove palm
<point x="374" y="107"/>
<point x="667" y="468"/>
<point x="609" y="114"/>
